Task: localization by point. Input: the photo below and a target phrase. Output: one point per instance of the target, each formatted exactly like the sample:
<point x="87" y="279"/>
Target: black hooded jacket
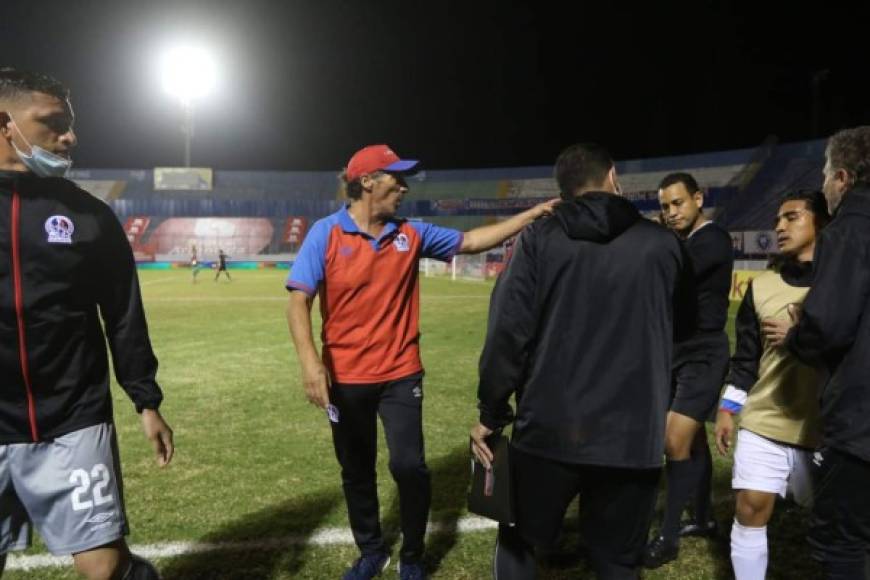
<point x="834" y="328"/>
<point x="65" y="263"/>
<point x="581" y="327"/>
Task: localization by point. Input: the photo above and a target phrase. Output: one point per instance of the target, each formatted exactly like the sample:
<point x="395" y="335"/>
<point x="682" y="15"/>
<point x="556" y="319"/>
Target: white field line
<point x="284" y="298"/>
<point x="156" y="281"/>
<point x="321" y="537"/>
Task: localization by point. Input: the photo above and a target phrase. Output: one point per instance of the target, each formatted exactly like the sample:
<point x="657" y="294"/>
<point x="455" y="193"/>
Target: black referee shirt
<point x="713" y="262"/>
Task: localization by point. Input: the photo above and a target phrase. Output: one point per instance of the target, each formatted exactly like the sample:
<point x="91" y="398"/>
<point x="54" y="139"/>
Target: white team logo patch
<point x="332" y="413"/>
<point x="59" y="229"/>
<point x="417" y="392"/>
<point x="401" y="243"/>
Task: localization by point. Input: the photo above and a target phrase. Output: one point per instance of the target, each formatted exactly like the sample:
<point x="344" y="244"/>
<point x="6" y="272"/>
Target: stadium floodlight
<point x="189" y="73"/>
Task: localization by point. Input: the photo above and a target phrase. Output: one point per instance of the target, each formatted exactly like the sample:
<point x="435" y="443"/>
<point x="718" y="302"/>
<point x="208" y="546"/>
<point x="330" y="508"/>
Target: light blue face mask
<point x="40" y="161"/>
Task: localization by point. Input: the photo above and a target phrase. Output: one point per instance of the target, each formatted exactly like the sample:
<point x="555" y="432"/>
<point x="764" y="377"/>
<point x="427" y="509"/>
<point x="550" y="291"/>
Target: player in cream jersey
<point x="772" y="392"/>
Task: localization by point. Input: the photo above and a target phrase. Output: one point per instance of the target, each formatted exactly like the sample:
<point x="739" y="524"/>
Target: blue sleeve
<point x="306" y="274"/>
<point x="438" y="243"/>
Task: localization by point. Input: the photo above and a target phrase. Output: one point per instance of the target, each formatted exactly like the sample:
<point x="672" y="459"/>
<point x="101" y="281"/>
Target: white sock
<point x="748" y="552"/>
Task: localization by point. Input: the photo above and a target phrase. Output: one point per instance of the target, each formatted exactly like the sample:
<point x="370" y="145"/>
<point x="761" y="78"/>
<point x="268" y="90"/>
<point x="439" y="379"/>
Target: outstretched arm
<point x="487" y="237"/>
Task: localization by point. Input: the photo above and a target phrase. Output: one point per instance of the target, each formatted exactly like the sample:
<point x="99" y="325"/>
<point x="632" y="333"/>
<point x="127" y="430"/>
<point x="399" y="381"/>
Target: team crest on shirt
<point x="59" y="229"/>
<point x="401" y="243"/>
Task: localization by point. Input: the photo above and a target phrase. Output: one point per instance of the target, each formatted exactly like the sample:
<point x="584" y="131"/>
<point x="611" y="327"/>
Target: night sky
<point x="456" y="84"/>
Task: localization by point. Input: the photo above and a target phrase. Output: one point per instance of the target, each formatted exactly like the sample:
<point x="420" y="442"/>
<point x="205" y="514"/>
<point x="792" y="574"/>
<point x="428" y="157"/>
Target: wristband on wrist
<point x="732" y="400"/>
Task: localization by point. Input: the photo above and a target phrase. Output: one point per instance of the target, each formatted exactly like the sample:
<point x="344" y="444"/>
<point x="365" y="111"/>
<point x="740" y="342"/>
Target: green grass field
<point x="255" y="471"/>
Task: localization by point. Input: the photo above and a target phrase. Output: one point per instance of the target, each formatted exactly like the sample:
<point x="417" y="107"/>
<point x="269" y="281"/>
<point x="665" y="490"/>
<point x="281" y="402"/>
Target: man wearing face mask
<point x="363" y="262"/>
<point x="59" y="467"/>
<point x="833" y="333"/>
<point x="581" y="330"/>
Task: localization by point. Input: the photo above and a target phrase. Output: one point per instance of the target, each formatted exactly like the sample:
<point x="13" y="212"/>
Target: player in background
<point x="195" y="266"/>
<point x="222" y="266"/>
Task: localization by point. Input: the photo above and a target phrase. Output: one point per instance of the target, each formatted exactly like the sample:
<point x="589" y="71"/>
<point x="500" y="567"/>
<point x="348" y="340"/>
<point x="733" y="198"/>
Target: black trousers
<point x="616" y="509"/>
<point x="399" y="403"/>
<point x="840" y="522"/>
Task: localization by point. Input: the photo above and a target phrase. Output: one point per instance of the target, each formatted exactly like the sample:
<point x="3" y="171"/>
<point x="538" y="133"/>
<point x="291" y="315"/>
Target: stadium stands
<point x="742" y="189"/>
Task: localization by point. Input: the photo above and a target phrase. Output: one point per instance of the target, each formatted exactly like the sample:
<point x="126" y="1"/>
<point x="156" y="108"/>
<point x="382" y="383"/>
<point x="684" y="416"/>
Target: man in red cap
<point x="363" y="262"/>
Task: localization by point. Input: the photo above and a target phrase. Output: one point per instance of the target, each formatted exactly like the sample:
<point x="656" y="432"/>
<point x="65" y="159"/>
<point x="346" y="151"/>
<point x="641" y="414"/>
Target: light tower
<point x="189" y="73"/>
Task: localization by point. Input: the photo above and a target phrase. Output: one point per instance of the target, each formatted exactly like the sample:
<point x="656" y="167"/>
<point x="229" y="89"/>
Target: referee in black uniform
<point x="700" y="365"/>
<point x="581" y="327"/>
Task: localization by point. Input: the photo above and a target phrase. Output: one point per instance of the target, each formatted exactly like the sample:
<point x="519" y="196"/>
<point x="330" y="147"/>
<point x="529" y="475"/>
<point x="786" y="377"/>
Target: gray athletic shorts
<point x="69" y="488"/>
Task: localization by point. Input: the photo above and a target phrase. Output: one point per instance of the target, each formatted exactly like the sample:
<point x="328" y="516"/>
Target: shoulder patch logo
<point x="59" y="229"/>
<point x="401" y="243"/>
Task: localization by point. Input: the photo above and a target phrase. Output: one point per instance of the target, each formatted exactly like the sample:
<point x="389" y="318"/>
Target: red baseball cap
<point x="376" y="158"/>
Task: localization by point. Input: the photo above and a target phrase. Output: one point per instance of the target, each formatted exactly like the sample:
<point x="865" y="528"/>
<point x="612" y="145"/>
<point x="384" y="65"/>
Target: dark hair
<point x="849" y="149"/>
<point x="15" y="84"/>
<point x="815" y="201"/>
<point x="680" y="177"/>
<point x="581" y="166"/>
<point x="353" y="189"/>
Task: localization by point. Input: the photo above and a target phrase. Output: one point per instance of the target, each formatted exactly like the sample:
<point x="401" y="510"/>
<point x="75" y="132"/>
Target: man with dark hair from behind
<point x="580" y="331"/>
<point x="833" y="332"/>
<point x="700" y="364"/>
<point x="67" y="267"/>
<point x="774" y="394"/>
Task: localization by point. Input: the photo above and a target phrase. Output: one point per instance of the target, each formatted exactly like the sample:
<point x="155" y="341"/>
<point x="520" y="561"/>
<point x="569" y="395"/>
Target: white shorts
<point x="69" y="488"/>
<point x="761" y="464"/>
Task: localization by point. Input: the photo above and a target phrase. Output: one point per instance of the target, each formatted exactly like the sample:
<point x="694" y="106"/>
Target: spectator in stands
<point x="363" y="261"/>
<point x="833" y="332"/>
<point x="67" y="264"/>
<point x="222" y="266"/>
<point x="594" y="393"/>
<point x="775" y="395"/>
<point x="700" y="364"/>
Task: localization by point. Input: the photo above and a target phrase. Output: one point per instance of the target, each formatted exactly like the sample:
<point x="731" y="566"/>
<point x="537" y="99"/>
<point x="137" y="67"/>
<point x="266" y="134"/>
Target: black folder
<point x="491" y="494"/>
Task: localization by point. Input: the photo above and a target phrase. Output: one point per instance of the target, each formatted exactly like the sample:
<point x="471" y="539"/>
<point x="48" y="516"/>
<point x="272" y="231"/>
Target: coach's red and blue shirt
<point x="369" y="293"/>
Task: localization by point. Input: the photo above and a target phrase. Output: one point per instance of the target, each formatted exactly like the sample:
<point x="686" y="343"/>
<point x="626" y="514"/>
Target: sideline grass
<point x="255" y="460"/>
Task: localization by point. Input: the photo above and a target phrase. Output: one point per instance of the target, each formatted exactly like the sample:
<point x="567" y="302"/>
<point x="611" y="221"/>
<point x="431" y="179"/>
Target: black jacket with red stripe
<point x="65" y="262"/>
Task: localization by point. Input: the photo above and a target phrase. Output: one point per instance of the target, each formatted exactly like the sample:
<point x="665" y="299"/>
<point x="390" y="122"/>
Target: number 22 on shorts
<point x="100" y="476"/>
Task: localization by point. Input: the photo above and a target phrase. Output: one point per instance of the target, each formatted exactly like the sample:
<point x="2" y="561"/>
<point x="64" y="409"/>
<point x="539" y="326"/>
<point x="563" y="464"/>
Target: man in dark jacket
<point x="65" y="264"/>
<point x="581" y="325"/>
<point x="833" y="332"/>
